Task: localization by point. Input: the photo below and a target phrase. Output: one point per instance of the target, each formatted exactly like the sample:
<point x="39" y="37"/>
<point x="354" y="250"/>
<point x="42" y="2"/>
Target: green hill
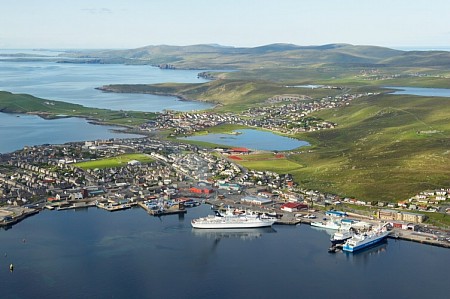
<point x="386" y="148"/>
<point x="24" y="103"/>
<point x="274" y="55"/>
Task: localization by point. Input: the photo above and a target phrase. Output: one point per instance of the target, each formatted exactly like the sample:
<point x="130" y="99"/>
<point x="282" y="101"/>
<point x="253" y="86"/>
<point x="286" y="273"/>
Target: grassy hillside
<point x="268" y="56"/>
<point x="233" y="95"/>
<point x="385" y="148"/>
<point x="23" y="103"/>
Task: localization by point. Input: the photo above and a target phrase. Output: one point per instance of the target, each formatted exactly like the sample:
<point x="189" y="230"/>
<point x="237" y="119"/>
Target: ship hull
<point x="339" y="241"/>
<point x="222" y="223"/>
<point x="365" y="243"/>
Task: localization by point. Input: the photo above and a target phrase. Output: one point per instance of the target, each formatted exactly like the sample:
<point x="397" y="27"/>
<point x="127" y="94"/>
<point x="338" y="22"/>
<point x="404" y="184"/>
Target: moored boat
<point x="240" y="221"/>
<point x="341" y="236"/>
<point x="366" y="239"/>
<point x="328" y="224"/>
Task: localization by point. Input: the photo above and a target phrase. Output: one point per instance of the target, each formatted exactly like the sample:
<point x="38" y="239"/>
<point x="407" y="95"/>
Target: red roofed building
<point x="293" y="206"/>
<point x="203" y="190"/>
<point x="239" y="150"/>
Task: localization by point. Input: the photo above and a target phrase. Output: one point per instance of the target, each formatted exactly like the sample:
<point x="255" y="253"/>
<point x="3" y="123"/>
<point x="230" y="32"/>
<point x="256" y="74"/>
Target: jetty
<point x="419" y="237"/>
<point x="11" y="215"/>
<point x="161" y="211"/>
<point x="112" y="207"/>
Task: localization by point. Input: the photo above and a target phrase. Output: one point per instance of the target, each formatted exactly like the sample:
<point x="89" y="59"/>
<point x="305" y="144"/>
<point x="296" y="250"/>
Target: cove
<point x="19" y="130"/>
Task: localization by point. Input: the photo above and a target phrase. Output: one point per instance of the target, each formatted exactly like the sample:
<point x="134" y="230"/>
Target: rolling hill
<point x="274" y="55"/>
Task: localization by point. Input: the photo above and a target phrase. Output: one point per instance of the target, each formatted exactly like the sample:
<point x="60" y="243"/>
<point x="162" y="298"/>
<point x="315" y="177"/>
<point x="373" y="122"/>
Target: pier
<point x="162" y="212"/>
<point x="419" y="237"/>
<point x="114" y="207"/>
<point x="13" y="215"/>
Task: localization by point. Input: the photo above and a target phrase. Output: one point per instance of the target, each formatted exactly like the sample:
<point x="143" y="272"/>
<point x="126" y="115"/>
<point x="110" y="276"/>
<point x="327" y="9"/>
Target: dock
<point x="419" y="237"/>
<point x="162" y="212"/>
<point x="288" y="219"/>
<point x="13" y="215"/>
<point x="76" y="205"/>
<point x="113" y="207"/>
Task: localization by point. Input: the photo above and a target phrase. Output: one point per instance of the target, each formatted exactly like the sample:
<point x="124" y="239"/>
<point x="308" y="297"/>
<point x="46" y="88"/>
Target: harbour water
<point x="253" y="139"/>
<point x="92" y="253"/>
<point x="19" y="130"/>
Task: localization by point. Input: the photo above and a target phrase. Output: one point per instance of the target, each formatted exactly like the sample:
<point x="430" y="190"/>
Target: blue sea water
<point x="92" y="253"/>
<point x="19" y="130"/>
<point x="76" y="83"/>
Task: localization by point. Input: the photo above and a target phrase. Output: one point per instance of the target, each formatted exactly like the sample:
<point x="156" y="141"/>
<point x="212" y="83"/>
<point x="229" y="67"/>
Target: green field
<point x="261" y="162"/>
<point x="118" y="161"/>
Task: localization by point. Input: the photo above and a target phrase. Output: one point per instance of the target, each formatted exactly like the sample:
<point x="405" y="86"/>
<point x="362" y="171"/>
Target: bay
<point x="19" y="130"/>
<point x="76" y="83"/>
<point x="252" y="139"/>
<point x="420" y="91"/>
<point x="93" y="253"/>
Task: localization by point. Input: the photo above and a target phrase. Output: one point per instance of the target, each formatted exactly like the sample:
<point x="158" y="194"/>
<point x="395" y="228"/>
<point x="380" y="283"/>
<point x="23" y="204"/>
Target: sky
<point x="121" y="24"/>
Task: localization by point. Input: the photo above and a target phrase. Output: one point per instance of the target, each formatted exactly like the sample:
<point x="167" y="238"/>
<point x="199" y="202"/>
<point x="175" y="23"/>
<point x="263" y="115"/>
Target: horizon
<point x="400" y="48"/>
<point x="112" y="24"/>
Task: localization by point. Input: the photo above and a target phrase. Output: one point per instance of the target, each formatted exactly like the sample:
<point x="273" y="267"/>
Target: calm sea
<point x="93" y="253"/>
<point x="76" y="83"/>
<point x="19" y="130"/>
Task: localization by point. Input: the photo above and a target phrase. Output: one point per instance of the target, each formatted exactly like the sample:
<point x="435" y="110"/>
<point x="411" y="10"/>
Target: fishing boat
<point x="328" y="224"/>
<point x="341" y="236"/>
<point x="344" y="232"/>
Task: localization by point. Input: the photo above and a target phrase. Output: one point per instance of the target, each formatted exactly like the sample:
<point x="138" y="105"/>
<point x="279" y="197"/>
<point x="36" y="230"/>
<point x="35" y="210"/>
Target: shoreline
<point x="108" y="89"/>
<point x="397" y="234"/>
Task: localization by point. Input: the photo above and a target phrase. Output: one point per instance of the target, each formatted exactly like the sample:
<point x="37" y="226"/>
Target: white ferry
<point x="363" y="240"/>
<point x="241" y="221"/>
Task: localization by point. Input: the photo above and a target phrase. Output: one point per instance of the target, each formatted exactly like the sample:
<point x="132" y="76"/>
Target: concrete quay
<point x="113" y="207"/>
<point x="10" y="215"/>
<point x="163" y="212"/>
<point x="419" y="237"/>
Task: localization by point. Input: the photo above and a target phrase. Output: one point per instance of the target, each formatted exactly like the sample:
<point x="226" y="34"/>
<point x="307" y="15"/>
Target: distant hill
<point x="273" y="55"/>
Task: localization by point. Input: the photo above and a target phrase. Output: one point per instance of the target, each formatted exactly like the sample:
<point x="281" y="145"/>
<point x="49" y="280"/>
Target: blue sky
<point x="248" y="23"/>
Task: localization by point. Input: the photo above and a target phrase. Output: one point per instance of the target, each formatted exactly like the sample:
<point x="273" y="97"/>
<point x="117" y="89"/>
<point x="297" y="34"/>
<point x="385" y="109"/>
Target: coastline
<point x="109" y="88"/>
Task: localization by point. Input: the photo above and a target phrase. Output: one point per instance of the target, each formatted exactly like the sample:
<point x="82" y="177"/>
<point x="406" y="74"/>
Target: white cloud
<point x="97" y="11"/>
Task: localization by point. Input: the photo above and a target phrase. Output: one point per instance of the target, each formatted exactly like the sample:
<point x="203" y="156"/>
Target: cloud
<point x="97" y="11"/>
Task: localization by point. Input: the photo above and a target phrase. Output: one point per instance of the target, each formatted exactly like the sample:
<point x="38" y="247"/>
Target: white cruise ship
<point x="241" y="221"/>
<point x="363" y="240"/>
